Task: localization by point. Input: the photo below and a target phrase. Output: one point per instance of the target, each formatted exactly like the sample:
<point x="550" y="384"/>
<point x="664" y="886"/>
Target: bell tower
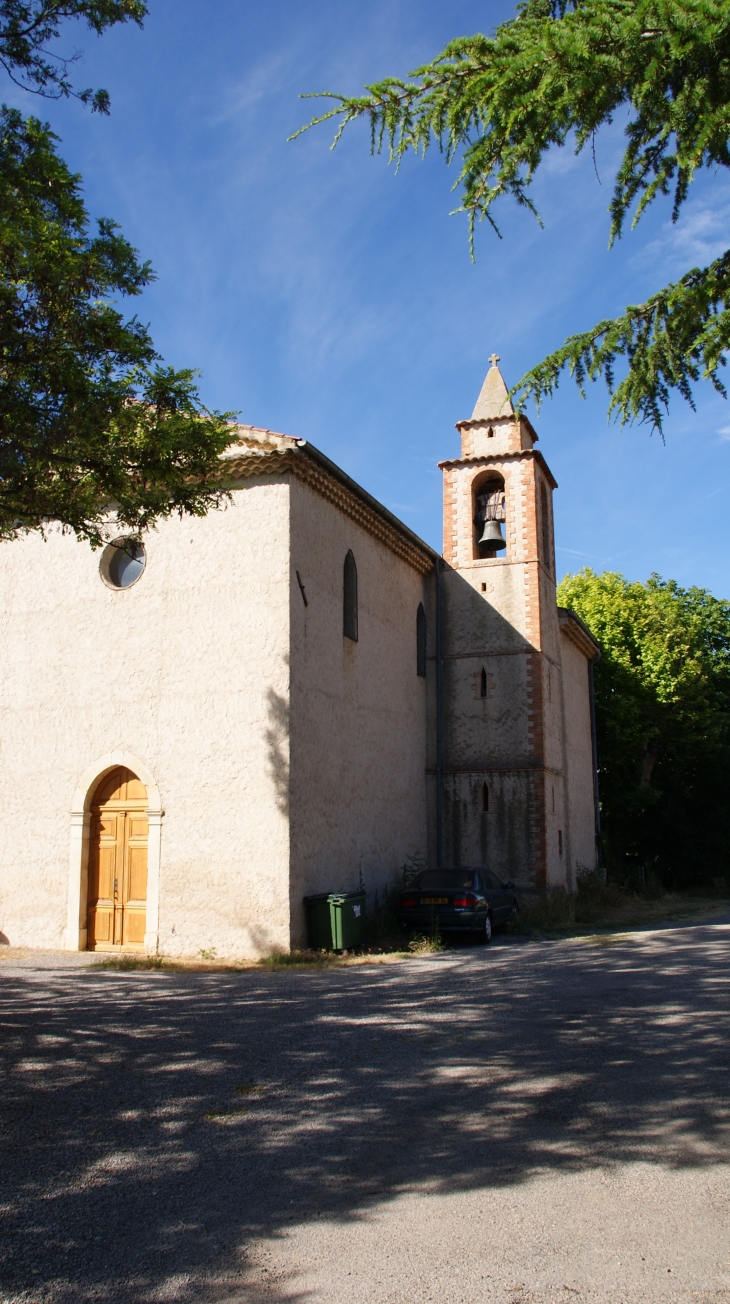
<point x="502" y="775"/>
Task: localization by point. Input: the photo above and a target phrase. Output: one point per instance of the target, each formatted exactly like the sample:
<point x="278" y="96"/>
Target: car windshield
<point x="444" y="879"/>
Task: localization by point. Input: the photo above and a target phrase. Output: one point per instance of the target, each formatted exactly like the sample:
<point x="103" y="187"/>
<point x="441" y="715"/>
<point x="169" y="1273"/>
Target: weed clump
<point x="421" y="944"/>
<point x="126" y="962"/>
<point x="284" y="959"/>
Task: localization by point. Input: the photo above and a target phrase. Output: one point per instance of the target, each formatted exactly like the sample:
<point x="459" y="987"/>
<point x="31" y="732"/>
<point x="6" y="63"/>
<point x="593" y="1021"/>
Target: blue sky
<point x="323" y="295"/>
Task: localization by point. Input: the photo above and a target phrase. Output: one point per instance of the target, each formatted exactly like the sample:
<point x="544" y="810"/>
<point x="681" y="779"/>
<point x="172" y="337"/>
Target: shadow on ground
<point x="154" y="1124"/>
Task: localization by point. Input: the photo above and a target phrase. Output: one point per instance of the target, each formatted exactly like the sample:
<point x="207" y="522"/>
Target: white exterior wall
<point x="358" y="718"/>
<point x="185" y="671"/>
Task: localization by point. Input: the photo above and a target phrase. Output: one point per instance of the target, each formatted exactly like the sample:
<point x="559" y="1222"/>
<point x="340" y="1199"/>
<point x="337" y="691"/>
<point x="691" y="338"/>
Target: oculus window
<point x="122" y="563"/>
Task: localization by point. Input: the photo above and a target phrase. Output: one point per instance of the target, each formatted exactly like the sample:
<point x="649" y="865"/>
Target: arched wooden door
<point x="117" y="894"/>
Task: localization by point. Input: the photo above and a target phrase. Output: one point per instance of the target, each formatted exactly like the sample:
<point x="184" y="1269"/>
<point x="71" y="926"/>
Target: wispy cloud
<point x="696" y="239"/>
<point x="592" y="556"/>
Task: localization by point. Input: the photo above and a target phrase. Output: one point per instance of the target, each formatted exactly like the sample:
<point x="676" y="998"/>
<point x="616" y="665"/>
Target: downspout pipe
<point x="439" y="722"/>
<point x="592" y="698"/>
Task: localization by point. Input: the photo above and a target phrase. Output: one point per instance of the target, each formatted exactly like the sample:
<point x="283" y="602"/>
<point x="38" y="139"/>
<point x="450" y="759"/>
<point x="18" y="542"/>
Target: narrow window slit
<point x="421" y="641"/>
<point x="349" y="590"/>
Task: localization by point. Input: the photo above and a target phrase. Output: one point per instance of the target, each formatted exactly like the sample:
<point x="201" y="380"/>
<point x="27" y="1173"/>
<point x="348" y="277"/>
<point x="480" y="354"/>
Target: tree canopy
<point x="662" y="693"/>
<point x="553" y="76"/>
<point x="25" y="33"/>
<point x="94" y="432"/>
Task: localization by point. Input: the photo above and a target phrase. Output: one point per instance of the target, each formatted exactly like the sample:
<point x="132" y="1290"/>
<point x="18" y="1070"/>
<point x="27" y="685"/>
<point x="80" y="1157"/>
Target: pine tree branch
<point x="679" y="336"/>
<point x="552" y="77"/>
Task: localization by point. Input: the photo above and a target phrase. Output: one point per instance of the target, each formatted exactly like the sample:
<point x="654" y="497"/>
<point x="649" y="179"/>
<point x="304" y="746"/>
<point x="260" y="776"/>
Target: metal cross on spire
<point x="494" y="359"/>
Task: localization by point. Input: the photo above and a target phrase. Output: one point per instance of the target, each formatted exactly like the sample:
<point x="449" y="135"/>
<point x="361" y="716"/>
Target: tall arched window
<point x="483" y="683"/>
<point x="349" y="596"/>
<point x="421" y="641"/>
<point x="545" y="522"/>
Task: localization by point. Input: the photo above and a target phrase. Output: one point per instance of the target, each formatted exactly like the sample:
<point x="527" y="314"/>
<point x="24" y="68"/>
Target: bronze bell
<point x="492" y="539"/>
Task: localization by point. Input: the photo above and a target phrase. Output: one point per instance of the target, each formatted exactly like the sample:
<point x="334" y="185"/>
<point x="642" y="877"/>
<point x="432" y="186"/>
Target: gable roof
<point x="259" y="452"/>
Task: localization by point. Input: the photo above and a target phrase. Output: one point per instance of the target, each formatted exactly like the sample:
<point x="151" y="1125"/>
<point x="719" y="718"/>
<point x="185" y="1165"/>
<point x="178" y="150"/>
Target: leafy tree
<point x="26" y="29"/>
<point x="554" y="75"/>
<point x="662" y="691"/>
<point x="94" y="433"/>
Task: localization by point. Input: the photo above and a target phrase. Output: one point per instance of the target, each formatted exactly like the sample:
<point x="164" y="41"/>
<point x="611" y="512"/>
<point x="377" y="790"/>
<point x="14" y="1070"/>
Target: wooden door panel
<point x="121" y="787"/>
<point x="134" y="925"/>
<point x="106" y="872"/>
<point x="135" y="879"/>
<point x="101" y="926"/>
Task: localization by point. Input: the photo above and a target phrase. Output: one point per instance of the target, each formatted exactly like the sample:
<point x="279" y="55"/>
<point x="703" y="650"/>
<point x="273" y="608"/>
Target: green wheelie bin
<point x="335" y="920"/>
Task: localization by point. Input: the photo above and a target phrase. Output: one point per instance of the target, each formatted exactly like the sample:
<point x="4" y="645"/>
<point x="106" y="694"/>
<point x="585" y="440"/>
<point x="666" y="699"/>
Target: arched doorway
<point x="117" y="891"/>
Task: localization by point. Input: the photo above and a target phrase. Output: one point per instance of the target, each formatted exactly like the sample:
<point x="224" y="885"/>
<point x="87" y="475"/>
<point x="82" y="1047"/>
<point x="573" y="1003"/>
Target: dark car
<point x="470" y="900"/>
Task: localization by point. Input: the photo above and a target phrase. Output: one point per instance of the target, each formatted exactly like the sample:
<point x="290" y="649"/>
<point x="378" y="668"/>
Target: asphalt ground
<point x="520" y="1122"/>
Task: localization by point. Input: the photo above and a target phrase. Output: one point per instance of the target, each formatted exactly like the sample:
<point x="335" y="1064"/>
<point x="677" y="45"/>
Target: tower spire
<point x="493" y="401"/>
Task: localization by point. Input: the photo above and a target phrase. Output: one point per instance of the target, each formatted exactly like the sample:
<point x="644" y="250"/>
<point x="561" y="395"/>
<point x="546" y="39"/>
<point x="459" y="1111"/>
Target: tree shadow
<point x="155" y="1124"/>
<point x="277" y="743"/>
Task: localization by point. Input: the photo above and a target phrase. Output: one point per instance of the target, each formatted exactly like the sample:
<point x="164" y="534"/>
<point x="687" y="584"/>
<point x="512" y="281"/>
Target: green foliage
<point x="27" y="28"/>
<point x="94" y="432"/>
<point x="662" y="690"/>
<point x="553" y="76"/>
<point x="87" y="418"/>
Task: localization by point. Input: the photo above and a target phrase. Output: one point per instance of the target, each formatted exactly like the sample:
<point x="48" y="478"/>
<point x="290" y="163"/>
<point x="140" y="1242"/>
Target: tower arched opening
<point x="489" y="514"/>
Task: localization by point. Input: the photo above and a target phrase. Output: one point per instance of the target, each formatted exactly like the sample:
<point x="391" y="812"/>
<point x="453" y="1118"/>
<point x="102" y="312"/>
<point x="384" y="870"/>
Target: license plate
<point x="434" y="901"/>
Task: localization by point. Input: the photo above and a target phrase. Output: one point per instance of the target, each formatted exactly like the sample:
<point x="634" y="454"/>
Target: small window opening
<point x="483" y="684"/>
<point x="484" y="587"/>
<point x="490" y="433"/>
<point x="485" y="798"/>
<point x="349" y="622"/>
<point x="560" y="842"/>
<point x="421" y="641"/>
<point x="553" y="801"/>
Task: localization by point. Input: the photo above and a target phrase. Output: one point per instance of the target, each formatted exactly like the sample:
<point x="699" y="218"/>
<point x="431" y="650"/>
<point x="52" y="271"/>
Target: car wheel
<point x="486" y="929"/>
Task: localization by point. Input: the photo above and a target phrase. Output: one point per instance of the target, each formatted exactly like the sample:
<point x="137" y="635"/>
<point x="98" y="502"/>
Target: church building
<point x="290" y="695"/>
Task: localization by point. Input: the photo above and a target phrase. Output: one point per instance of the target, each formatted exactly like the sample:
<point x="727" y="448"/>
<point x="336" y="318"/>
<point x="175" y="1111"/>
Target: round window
<point x="122" y="563"/>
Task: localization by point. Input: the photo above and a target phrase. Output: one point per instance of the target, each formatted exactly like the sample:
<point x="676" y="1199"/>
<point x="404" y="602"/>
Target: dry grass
<point x="278" y="960"/>
<point x="597" y="905"/>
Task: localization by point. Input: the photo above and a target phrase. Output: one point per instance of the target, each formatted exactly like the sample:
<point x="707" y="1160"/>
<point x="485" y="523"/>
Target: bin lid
<point x="336" y="897"/>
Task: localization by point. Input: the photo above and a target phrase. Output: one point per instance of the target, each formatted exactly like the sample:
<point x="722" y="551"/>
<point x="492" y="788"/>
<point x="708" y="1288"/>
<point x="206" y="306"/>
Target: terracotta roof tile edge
<point x="333" y="484"/>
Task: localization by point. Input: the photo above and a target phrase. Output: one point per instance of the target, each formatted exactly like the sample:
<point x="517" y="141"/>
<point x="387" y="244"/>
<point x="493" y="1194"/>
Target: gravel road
<point x="521" y="1122"/>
